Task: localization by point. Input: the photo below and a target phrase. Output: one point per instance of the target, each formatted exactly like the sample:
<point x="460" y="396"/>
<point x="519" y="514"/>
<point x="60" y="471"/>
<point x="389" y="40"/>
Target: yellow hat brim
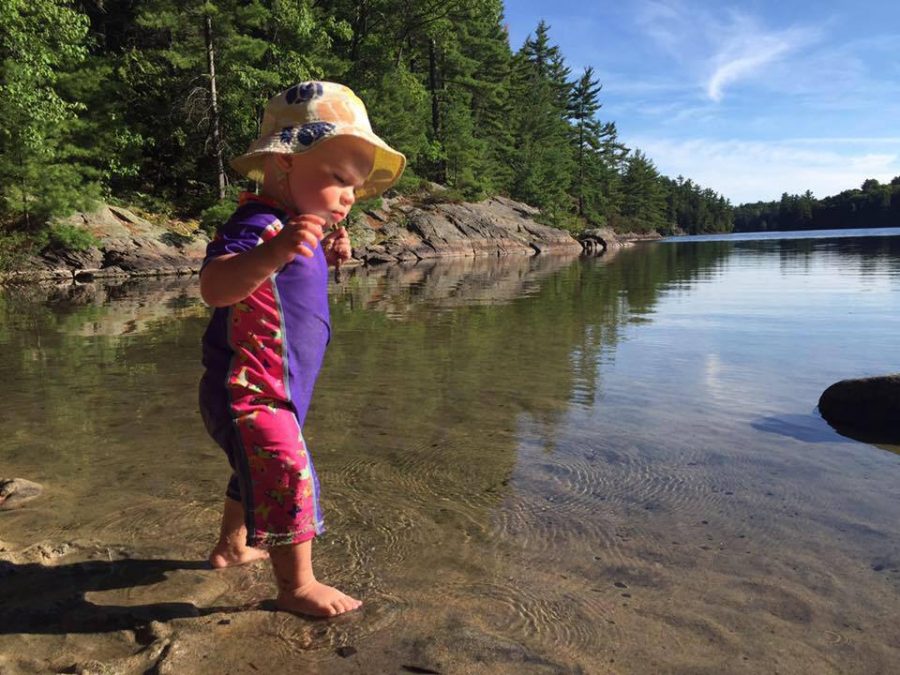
<point x="387" y="167"/>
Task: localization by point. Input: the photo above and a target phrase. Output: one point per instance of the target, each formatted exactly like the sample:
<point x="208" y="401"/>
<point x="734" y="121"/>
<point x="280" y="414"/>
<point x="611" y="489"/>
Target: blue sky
<point x="751" y="99"/>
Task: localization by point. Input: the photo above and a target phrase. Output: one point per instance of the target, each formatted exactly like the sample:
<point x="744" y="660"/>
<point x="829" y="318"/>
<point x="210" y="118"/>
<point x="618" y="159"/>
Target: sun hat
<point x="310" y="113"/>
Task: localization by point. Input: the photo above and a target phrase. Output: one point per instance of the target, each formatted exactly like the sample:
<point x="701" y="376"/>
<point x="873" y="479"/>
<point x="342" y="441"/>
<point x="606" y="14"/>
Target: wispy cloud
<point x="745" y="100"/>
<point x="746" y="54"/>
<point x="720" y="50"/>
<point x="668" y="22"/>
<point x="747" y="171"/>
<point x="847" y="140"/>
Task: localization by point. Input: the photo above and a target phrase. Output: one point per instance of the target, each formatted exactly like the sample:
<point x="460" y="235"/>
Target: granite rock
<point x="867" y="407"/>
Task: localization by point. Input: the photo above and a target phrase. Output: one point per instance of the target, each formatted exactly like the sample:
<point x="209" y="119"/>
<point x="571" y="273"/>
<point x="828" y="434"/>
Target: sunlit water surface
<point x="545" y="465"/>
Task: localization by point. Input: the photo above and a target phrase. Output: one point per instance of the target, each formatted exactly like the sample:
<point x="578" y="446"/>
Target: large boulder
<point x="403" y="229"/>
<point x="494" y="227"/>
<point x="867" y="407"/>
<point x="127" y="245"/>
<point x="599" y="240"/>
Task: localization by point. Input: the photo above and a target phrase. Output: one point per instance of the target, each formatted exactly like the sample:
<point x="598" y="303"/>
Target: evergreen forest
<point x="143" y="102"/>
<point x="874" y="204"/>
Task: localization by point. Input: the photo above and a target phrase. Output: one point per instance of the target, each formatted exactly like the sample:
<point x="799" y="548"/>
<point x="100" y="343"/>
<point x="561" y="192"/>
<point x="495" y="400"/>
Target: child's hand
<point x="336" y="246"/>
<point x="299" y="236"/>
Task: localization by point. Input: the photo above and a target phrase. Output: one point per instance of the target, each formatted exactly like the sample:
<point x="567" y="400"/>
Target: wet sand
<point x="518" y="514"/>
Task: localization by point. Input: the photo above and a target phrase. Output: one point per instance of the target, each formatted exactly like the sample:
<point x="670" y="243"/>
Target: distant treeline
<point x="144" y="102"/>
<point x="873" y="205"/>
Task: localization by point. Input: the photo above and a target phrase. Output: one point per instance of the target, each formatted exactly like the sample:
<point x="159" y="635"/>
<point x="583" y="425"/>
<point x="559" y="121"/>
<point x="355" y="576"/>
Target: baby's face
<point x="323" y="181"/>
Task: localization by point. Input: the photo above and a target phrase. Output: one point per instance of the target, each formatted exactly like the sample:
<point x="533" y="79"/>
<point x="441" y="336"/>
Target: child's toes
<point x="346" y="604"/>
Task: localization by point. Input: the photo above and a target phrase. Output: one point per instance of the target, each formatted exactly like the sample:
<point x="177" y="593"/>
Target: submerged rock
<point x="866" y="408"/>
<point x="15" y="492"/>
<point x="599" y="240"/>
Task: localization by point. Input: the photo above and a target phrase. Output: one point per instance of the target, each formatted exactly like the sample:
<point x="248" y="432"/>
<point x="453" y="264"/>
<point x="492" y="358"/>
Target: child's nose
<point x="348" y="197"/>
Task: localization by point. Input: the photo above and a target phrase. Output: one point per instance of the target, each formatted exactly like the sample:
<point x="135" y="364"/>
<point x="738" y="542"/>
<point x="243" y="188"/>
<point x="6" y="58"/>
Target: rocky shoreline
<point x="403" y="230"/>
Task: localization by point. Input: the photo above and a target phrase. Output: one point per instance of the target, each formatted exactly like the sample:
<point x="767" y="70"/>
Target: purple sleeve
<point x="246" y="229"/>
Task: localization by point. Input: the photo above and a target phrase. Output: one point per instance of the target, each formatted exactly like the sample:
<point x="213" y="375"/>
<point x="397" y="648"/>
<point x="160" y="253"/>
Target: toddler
<point x="266" y="274"/>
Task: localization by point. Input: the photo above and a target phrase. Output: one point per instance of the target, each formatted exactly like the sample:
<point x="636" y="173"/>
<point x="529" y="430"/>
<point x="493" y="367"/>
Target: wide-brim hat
<point x="309" y="114"/>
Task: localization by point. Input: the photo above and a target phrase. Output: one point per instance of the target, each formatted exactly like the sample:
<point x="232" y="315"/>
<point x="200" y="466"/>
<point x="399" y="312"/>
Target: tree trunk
<point x="433" y="85"/>
<point x="25" y="204"/>
<point x="214" y="102"/>
<point x="581" y="168"/>
<point x="435" y="106"/>
<point x="360" y="29"/>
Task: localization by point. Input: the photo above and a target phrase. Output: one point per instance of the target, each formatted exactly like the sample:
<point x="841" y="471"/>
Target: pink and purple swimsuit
<point x="262" y="356"/>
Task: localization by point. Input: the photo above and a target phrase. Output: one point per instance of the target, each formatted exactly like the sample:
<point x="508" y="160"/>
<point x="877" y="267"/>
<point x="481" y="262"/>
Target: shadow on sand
<point x="52" y="599"/>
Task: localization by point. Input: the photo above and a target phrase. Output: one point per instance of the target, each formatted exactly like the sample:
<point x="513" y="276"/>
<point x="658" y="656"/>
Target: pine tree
<point x="548" y="61"/>
<point x="134" y="107"/>
<point x="398" y="106"/>
<point x="644" y="199"/>
<point x="598" y="153"/>
<point x="474" y="75"/>
<point x="41" y="173"/>
<point x="487" y="41"/>
<point x="400" y="50"/>
<point x="543" y="159"/>
<point x="161" y="71"/>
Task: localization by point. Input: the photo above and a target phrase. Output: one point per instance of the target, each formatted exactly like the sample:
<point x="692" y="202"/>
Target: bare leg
<point x="232" y="548"/>
<point x="298" y="590"/>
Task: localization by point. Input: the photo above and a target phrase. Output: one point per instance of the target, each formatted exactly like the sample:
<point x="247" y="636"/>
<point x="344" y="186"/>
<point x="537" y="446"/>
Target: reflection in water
<point x="527" y="464"/>
<point x="406" y="292"/>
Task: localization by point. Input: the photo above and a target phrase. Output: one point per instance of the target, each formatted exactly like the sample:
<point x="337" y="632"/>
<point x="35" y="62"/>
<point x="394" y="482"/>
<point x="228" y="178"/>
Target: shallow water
<point x="528" y="465"/>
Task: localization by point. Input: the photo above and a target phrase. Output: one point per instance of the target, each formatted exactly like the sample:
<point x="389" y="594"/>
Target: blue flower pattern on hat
<point x="287" y="135"/>
<point x="312" y="132"/>
<point x="301" y="93"/>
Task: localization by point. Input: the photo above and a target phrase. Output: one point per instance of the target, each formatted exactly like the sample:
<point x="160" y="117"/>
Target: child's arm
<point x="231" y="278"/>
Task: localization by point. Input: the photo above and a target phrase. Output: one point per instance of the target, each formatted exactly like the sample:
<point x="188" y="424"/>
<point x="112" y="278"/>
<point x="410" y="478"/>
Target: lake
<point x="541" y="465"/>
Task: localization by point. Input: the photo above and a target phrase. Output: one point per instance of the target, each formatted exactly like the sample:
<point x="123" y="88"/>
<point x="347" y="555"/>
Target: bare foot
<point x="232" y="548"/>
<point x="316" y="599"/>
<point x="225" y="555"/>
